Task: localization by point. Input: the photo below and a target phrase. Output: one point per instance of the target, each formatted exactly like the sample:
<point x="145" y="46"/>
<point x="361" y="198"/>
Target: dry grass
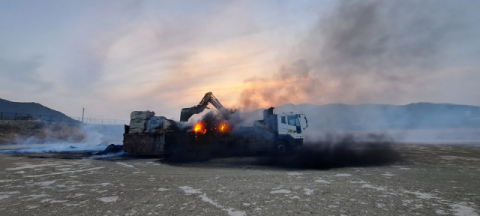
<point x="21" y="131"/>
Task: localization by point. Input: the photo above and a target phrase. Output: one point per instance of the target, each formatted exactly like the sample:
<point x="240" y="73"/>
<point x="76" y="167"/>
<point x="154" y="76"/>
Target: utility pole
<point x="83" y="112"/>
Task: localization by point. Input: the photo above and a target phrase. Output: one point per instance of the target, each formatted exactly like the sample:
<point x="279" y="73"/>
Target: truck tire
<point x="281" y="147"/>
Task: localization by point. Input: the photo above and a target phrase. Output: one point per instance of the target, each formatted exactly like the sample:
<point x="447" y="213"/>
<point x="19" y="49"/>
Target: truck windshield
<point x="293" y="120"/>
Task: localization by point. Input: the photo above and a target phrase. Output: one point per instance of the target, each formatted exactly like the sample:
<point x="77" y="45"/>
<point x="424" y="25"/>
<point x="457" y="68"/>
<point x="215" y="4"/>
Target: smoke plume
<point x="370" y="52"/>
<point x="46" y="138"/>
<point x="293" y="83"/>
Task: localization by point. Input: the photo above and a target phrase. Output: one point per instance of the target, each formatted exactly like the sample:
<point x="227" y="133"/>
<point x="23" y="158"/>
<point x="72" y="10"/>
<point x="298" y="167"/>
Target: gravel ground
<point x="426" y="180"/>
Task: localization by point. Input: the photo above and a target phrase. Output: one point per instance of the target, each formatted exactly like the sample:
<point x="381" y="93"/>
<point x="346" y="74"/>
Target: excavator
<point x="186" y="113"/>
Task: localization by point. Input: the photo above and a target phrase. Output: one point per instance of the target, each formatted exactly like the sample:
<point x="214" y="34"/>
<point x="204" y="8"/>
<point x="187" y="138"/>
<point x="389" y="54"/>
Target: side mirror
<point x="304" y="117"/>
<point x="306" y="121"/>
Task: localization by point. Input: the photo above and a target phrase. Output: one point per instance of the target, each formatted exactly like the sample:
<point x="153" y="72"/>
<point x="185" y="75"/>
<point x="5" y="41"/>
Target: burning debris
<point x="222" y="127"/>
<point x="278" y="133"/>
<point x="199" y="128"/>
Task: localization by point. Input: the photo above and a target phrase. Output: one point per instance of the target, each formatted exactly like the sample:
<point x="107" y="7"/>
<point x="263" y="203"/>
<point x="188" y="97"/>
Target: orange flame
<point x="199" y="128"/>
<point x="222" y="126"/>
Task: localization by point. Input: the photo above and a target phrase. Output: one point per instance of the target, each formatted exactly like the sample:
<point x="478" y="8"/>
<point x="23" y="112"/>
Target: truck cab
<point x="286" y="128"/>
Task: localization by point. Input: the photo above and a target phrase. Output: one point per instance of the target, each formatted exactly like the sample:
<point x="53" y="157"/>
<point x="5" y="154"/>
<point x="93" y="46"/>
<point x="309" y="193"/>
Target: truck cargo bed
<point x="144" y="144"/>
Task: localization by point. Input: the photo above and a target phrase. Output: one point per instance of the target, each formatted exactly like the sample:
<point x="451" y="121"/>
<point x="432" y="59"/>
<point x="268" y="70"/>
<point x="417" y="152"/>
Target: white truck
<point x="276" y="132"/>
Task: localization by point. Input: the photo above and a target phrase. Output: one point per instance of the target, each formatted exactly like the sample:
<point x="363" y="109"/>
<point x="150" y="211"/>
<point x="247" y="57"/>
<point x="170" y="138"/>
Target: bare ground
<point x="424" y="180"/>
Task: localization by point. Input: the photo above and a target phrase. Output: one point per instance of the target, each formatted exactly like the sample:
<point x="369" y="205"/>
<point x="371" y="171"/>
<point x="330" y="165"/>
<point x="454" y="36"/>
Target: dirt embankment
<point x="19" y="131"/>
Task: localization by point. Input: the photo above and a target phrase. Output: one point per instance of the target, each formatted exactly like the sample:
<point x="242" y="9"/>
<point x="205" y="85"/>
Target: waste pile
<point x="138" y="120"/>
<point x="154" y="124"/>
<point x="145" y="122"/>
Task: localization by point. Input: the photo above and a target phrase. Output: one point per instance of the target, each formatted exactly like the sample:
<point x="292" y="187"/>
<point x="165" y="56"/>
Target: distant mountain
<point x="379" y="116"/>
<point x="9" y="110"/>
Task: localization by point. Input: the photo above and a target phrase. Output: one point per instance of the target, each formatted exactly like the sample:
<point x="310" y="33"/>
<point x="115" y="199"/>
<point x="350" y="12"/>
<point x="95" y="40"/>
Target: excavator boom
<point x="208" y="98"/>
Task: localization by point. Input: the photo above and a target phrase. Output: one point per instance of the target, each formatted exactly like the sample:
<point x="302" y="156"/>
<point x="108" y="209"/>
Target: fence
<point x="105" y="121"/>
<point x="59" y="118"/>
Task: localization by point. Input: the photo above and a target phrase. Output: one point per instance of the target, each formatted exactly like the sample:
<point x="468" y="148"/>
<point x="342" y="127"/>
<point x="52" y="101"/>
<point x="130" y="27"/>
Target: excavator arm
<point x="208" y="98"/>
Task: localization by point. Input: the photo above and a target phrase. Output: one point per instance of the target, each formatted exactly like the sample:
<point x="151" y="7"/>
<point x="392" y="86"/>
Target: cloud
<point x="23" y="74"/>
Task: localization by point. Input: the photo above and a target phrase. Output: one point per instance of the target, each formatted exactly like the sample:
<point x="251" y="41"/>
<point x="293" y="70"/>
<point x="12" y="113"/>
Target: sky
<point x="114" y="57"/>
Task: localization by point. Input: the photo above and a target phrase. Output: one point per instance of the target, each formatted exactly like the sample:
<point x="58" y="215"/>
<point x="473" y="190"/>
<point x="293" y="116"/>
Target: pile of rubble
<point x="111" y="149"/>
<point x="147" y="122"/>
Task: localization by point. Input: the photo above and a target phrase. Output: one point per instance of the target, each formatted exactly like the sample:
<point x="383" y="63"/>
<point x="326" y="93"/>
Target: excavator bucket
<point x="186" y="113"/>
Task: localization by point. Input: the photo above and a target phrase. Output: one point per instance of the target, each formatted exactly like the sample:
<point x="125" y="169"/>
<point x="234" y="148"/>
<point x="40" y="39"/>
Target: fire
<point x="222" y="126"/>
<point x="198" y="128"/>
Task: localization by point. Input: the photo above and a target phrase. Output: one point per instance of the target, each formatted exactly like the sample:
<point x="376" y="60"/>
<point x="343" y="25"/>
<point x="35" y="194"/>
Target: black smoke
<point x="347" y="152"/>
<point x="335" y="151"/>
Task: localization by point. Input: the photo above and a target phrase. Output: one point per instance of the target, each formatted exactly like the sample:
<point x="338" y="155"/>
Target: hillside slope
<point x="9" y="109"/>
<point x="379" y="116"/>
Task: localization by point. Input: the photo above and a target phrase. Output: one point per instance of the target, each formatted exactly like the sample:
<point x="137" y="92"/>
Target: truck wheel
<point x="281" y="148"/>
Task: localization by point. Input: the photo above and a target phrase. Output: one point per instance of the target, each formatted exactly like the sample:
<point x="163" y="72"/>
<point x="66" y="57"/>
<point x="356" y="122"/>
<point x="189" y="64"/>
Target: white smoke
<point x="95" y="138"/>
